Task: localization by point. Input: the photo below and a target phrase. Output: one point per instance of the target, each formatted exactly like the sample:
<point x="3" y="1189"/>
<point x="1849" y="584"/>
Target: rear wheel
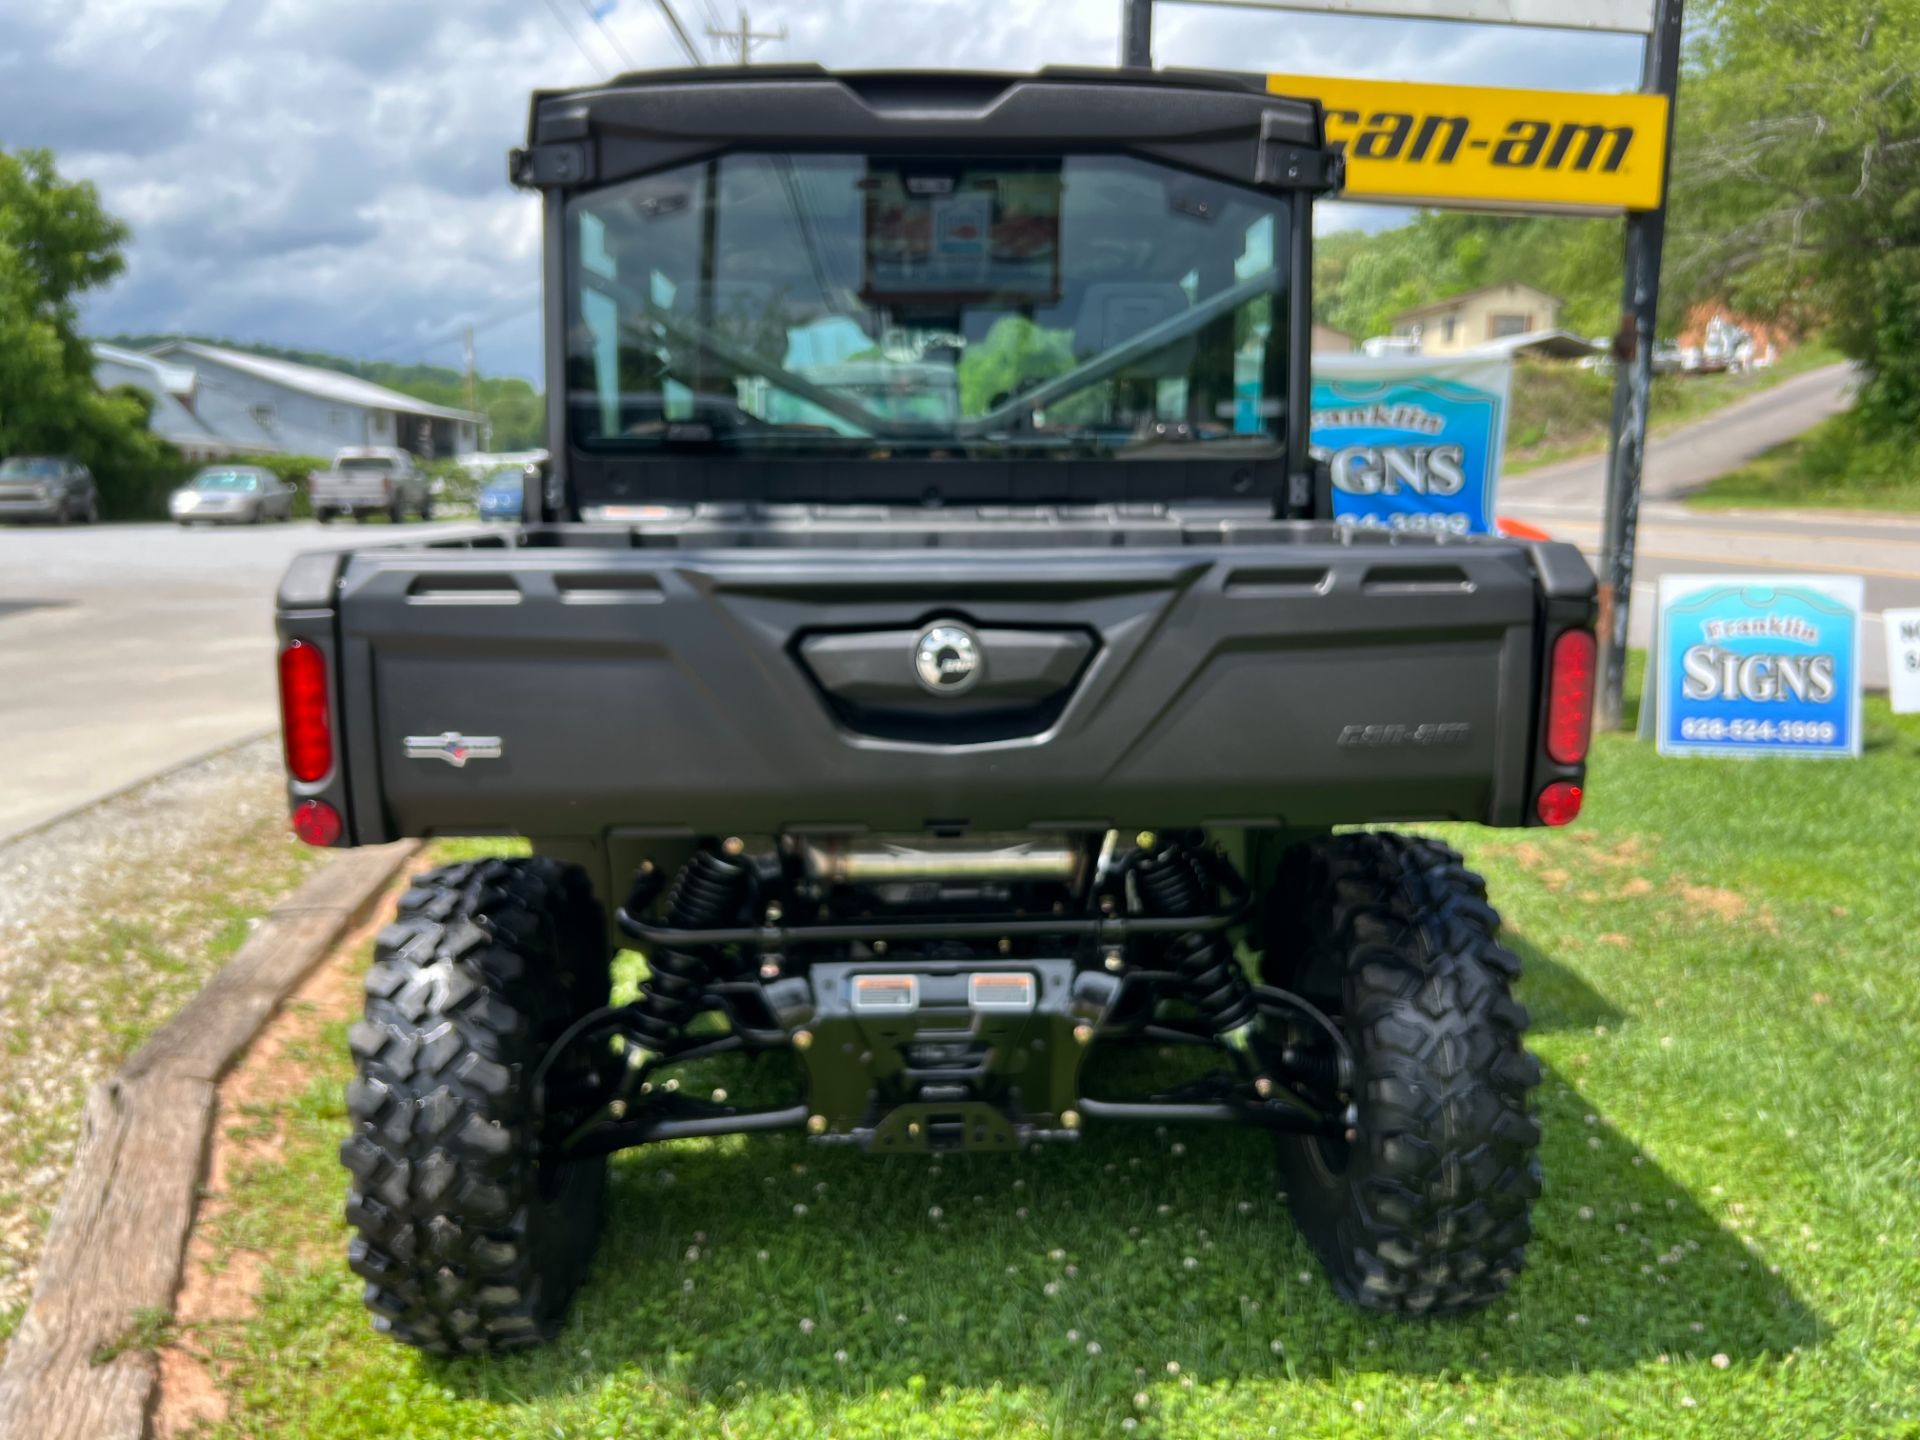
<point x="1426" y="1210"/>
<point x="468" y="1236"/>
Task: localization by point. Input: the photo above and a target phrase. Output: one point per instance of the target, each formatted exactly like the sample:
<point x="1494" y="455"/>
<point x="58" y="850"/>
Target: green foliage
<point x="1845" y="461"/>
<point x="1797" y="178"/>
<point x="1362" y="281"/>
<point x="1016" y="355"/>
<point x="515" y="409"/>
<point x="1559" y="410"/>
<point x="55" y="243"/>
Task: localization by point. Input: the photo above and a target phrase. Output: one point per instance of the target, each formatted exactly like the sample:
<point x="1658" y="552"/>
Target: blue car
<point x="500" y="497"/>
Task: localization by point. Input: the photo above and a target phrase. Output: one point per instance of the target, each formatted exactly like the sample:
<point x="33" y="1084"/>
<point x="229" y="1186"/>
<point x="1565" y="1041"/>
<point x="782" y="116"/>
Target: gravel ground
<point x="109" y="920"/>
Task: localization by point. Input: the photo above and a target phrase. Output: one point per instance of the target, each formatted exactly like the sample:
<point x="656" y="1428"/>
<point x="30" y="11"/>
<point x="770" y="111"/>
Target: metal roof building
<point x="210" y="401"/>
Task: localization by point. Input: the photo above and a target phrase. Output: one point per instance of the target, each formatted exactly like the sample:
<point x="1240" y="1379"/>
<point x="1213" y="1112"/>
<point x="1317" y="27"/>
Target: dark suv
<point x="47" y="487"/>
<point x="929" y="643"/>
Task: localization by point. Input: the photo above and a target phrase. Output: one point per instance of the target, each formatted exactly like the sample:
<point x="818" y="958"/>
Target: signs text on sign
<point x="1758" y="665"/>
<point x="1903" y="659"/>
<point x="1412" y="444"/>
<point x="1548" y="149"/>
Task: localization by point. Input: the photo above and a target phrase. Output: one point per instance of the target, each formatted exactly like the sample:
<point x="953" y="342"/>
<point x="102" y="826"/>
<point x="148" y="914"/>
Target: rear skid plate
<point x="954" y="1054"/>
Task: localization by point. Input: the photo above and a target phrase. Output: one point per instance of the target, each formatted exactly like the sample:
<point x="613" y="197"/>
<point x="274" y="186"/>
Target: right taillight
<point x="306" y="727"/>
<point x="1570" y="697"/>
<point x="1559" y="803"/>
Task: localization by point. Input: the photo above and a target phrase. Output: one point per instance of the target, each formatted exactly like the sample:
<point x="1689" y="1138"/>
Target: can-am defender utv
<point x="928" y="643"/>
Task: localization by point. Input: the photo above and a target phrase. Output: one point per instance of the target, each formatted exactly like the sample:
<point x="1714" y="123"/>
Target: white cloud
<point x="332" y="173"/>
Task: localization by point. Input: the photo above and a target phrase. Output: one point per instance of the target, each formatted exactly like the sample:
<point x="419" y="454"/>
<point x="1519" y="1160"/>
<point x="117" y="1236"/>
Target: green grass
<point x="1560" y="411"/>
<point x="1719" y="964"/>
<point x="1834" y="465"/>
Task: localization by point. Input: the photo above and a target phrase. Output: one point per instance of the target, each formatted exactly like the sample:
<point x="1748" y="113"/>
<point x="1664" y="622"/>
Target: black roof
<point x="1214" y="122"/>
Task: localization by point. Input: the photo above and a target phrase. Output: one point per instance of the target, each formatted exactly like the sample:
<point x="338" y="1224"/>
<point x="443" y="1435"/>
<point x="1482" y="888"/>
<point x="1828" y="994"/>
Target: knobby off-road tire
<point x="466" y="1239"/>
<point x="1427" y="1211"/>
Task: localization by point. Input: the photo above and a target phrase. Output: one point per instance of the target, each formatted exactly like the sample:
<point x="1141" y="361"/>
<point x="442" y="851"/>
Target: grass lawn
<point x="1831" y="466"/>
<point x="1720" y="965"/>
<point x="1560" y="411"/>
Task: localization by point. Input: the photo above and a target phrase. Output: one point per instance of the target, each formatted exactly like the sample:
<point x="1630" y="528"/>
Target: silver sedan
<point x="232" y="495"/>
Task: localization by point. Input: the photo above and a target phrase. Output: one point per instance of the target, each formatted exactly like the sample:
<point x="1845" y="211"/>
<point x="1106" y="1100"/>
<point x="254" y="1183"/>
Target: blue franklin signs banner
<point x="1758" y="665"/>
<point x="1413" y="443"/>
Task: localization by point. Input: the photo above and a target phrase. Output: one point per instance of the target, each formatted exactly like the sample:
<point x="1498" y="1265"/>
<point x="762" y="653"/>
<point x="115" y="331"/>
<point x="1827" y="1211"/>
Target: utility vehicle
<point x="928" y="644"/>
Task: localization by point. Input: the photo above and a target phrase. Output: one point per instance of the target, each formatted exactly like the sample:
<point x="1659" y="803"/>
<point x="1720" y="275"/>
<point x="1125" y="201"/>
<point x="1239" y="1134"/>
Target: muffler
<point x="878" y="859"/>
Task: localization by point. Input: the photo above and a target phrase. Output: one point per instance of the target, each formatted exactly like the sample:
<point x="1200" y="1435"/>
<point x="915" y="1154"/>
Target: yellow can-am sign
<point x="1520" y="149"/>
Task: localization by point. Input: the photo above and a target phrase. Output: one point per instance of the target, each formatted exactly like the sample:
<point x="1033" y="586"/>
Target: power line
<point x="586" y="7"/>
<point x="579" y="44"/>
<point x="680" y="31"/>
<point x="434" y="339"/>
<point x="745" y="38"/>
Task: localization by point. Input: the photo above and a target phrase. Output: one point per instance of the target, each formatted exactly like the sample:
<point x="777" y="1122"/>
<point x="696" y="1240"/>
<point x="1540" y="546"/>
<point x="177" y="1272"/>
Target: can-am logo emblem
<point x="946" y="657"/>
<point x="453" y="747"/>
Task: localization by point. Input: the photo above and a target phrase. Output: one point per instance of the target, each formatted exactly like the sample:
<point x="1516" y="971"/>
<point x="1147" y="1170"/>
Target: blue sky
<point x="332" y="173"/>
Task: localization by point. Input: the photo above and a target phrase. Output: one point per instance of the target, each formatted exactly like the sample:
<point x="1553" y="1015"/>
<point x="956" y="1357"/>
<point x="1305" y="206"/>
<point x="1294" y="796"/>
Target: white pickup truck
<point x="367" y="480"/>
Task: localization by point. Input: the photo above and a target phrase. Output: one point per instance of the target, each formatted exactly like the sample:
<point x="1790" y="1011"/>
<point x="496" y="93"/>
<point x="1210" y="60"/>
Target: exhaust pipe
<point x="877" y="859"/>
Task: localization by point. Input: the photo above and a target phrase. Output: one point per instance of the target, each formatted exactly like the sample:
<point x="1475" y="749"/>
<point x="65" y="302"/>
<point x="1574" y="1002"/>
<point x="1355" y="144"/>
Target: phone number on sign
<point x="1789" y="732"/>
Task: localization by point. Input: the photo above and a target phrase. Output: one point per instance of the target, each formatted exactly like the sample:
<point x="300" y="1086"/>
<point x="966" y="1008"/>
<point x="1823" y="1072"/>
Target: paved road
<point x="126" y="649"/>
<point x="1565" y="500"/>
<point x="1683" y="460"/>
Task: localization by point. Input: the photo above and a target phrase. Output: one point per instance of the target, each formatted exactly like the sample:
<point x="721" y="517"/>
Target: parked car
<point x="48" y="487"/>
<point x="504" y="494"/>
<point x="232" y="495"/>
<point x="369" y="480"/>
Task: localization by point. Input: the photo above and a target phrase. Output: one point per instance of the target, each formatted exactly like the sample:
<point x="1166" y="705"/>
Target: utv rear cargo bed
<point x="1224" y="673"/>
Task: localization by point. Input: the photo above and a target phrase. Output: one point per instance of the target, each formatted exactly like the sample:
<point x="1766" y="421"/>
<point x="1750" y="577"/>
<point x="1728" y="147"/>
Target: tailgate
<point x="361" y="490"/>
<point x="573" y="692"/>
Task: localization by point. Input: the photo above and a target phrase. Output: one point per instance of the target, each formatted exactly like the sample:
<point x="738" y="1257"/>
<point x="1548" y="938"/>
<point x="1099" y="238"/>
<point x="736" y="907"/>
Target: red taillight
<point x="1570" y="697"/>
<point x="317" y="823"/>
<point x="306" y="728"/>
<point x="1559" y="803"/>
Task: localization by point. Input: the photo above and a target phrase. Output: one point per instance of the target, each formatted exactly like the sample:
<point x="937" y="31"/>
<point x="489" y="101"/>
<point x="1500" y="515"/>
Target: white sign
<point x="1903" y="660"/>
<point x="1758" y="665"/>
<point x="1413" y="442"/>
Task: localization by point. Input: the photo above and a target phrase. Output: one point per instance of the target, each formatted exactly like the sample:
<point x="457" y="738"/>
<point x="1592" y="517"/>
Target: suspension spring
<point x="1174" y="880"/>
<point x="709" y="892"/>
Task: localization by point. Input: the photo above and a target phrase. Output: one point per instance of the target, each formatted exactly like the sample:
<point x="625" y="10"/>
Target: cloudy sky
<point x="331" y="173"/>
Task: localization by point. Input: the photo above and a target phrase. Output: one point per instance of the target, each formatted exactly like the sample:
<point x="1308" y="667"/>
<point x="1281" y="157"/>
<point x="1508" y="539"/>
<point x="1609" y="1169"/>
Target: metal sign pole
<point x="1633" y="381"/>
<point x="1136" y="34"/>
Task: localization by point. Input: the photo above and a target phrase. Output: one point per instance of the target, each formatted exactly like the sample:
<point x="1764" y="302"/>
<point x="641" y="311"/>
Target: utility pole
<point x="742" y="40"/>
<point x="1633" y="382"/>
<point x="1136" y="34"/>
<point x="473" y="379"/>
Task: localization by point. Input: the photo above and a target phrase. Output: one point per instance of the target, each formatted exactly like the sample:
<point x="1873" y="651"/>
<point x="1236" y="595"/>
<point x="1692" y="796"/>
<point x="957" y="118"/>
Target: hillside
<point x="513" y="405"/>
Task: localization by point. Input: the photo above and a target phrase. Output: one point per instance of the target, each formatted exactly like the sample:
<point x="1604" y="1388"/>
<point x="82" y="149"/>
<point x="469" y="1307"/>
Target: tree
<point x="55" y="243"/>
<point x="1797" y="179"/>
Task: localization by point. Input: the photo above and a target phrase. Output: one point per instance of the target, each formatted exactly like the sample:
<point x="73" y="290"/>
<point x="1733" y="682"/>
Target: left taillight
<point x="306" y="723"/>
<point x="1570" y="674"/>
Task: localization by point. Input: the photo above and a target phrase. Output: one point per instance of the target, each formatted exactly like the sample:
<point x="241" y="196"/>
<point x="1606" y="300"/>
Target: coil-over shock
<point x="708" y="893"/>
<point x="1175" y="879"/>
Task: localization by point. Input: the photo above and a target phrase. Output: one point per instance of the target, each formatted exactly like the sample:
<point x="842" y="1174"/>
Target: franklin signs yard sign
<point x="1751" y="665"/>
<point x="1413" y="444"/>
